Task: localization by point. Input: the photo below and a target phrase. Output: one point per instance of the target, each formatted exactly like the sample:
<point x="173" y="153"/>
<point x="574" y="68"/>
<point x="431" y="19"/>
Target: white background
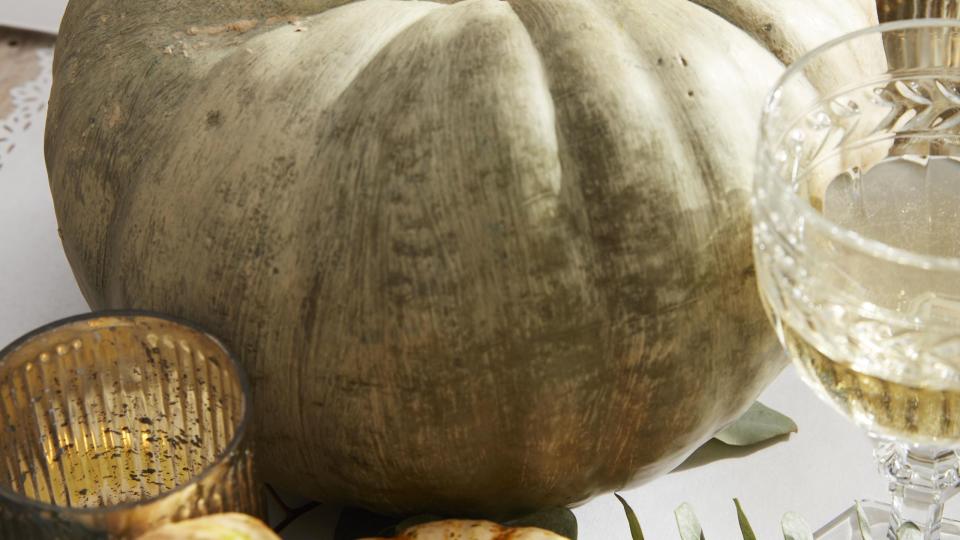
<point x="818" y="472"/>
<point x="40" y="15"/>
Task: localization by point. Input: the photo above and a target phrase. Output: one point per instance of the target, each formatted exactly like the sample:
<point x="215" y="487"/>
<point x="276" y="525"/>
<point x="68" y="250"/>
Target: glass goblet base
<point x="846" y="526"/>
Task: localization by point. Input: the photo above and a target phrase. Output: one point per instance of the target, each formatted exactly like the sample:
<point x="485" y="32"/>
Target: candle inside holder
<point x="115" y="424"/>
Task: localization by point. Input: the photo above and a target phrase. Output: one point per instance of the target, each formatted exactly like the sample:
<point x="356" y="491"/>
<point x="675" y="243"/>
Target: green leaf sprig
<point x="759" y="424"/>
<point x="635" y="532"/>
<point x="745" y="529"/>
<point x="687" y="522"/>
<point x="792" y="525"/>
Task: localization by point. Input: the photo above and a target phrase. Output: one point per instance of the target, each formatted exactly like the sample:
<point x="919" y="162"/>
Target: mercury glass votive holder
<point x="115" y="423"/>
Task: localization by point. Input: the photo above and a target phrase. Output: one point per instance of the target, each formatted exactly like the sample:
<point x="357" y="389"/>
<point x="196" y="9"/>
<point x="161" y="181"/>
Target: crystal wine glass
<point x="857" y="249"/>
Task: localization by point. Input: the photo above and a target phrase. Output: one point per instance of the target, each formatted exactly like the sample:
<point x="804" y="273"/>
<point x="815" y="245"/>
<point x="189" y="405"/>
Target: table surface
<point x="817" y="472"/>
<point x="38" y="15"/>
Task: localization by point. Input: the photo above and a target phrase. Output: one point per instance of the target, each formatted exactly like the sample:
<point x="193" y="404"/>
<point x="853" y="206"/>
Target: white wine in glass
<point x="857" y="248"/>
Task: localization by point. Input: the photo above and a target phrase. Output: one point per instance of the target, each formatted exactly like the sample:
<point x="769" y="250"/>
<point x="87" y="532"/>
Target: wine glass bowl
<point x="857" y="245"/>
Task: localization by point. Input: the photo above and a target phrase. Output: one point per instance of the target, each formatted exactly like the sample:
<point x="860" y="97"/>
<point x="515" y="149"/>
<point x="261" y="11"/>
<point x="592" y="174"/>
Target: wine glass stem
<point x="921" y="479"/>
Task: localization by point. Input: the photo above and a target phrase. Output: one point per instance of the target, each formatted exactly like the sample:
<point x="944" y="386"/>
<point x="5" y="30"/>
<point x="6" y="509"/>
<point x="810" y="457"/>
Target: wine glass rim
<point x="238" y="435"/>
<point x="810" y="214"/>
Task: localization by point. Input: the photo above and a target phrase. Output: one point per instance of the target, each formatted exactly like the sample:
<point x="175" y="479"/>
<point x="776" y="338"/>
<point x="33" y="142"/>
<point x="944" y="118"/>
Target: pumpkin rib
<point x="571" y="125"/>
<point x="363" y="124"/>
<point x="712" y="179"/>
<point x="574" y="179"/>
<point x="303" y="367"/>
<point x="696" y="139"/>
<point x="347" y="90"/>
<point x="788" y="37"/>
<point x="690" y="134"/>
<point x="688" y="141"/>
<point x="583" y="224"/>
<point x="547" y="96"/>
<point x="767" y="35"/>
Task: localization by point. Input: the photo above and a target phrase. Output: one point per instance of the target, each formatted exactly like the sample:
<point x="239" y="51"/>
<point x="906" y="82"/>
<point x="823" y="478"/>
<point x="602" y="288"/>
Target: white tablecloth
<point x="817" y="472"/>
<point x="38" y="15"/>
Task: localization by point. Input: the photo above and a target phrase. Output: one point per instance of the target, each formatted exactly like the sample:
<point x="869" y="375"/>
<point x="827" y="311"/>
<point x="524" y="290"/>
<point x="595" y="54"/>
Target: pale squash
<point x="463" y="529"/>
<point x="483" y="257"/>
<point x="229" y="526"/>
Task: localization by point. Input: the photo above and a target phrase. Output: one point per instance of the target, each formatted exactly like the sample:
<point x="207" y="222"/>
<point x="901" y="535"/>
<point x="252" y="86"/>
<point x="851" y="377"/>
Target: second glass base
<point x="845" y="526"/>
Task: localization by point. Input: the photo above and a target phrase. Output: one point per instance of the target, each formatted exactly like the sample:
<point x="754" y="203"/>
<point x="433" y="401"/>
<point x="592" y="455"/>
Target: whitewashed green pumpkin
<point x="480" y="257"/>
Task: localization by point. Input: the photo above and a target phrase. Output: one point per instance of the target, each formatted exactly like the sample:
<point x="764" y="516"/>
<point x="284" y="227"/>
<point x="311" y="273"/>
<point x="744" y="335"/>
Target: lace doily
<point x="29" y="105"/>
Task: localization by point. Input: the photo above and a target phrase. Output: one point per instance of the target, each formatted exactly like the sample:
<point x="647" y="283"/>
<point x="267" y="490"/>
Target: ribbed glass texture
<point x="895" y="10"/>
<point x="114" y="424"/>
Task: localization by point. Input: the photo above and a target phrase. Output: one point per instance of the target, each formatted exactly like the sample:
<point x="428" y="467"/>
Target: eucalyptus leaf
<point x="559" y="520"/>
<point x="745" y="529"/>
<point x="863" y="524"/>
<point x="635" y="532"/>
<point x="760" y="423"/>
<point x="794" y="527"/>
<point x="909" y="531"/>
<point x="687" y="523"/>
